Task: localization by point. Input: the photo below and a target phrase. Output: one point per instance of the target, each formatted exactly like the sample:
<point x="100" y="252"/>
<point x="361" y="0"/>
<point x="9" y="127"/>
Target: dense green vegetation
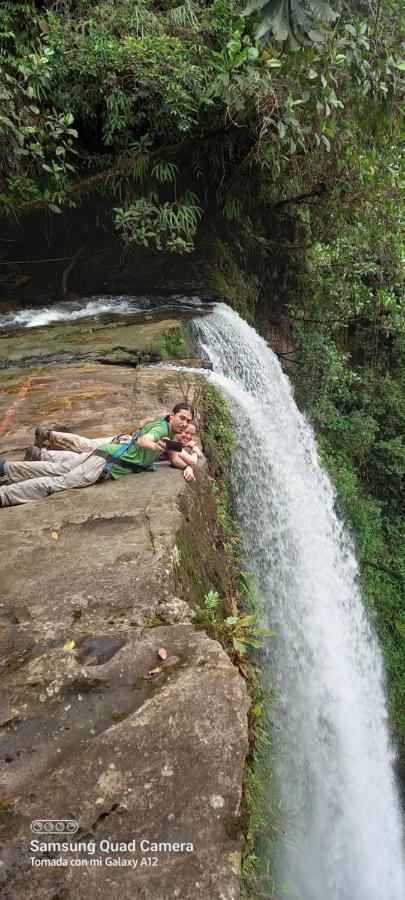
<point x="171" y="344"/>
<point x="262" y="822"/>
<point x="177" y="112"/>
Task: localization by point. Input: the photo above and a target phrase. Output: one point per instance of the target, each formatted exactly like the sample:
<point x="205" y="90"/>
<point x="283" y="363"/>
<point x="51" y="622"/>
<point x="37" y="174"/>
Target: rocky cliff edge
<point x="94" y="586"/>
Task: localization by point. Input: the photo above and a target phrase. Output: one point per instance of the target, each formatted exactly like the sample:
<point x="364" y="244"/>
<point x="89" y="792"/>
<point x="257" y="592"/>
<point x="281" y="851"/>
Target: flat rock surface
<point x="90" y="594"/>
<point x="86" y="397"/>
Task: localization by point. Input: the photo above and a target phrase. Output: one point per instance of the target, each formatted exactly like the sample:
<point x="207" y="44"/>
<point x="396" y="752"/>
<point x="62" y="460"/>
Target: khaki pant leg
<point x="57" y="455"/>
<point x="82" y="475"/>
<point x="63" y="440"/>
<point x="21" y="471"/>
<point x="63" y="455"/>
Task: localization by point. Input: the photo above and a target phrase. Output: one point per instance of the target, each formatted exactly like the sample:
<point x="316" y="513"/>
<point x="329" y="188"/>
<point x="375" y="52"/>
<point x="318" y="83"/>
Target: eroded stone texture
<point x="86" y="732"/>
<point x="174" y="610"/>
<point x="92" y="399"/>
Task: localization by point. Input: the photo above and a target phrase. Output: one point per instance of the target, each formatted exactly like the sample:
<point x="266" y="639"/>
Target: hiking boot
<point x="42" y="434"/>
<point x="32" y="453"/>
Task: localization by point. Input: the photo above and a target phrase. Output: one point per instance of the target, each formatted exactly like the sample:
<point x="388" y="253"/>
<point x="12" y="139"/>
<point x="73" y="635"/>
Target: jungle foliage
<point x="178" y="112"/>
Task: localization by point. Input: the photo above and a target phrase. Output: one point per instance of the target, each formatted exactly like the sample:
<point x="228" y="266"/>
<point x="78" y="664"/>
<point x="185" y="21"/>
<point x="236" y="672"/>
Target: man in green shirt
<point x="35" y="480"/>
<point x="150" y="441"/>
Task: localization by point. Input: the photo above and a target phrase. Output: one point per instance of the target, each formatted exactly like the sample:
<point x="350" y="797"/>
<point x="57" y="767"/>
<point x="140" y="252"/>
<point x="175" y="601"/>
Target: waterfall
<point x="335" y="766"/>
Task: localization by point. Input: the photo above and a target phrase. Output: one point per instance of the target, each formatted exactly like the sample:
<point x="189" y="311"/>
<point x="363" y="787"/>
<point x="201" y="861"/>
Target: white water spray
<point x="336" y="765"/>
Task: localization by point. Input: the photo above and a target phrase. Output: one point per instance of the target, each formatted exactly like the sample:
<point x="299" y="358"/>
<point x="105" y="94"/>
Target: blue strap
<point x="125" y="447"/>
<point x="122" y="449"/>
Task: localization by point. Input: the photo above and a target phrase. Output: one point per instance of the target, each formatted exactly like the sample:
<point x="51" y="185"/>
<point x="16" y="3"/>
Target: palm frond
<point x="297" y="22"/>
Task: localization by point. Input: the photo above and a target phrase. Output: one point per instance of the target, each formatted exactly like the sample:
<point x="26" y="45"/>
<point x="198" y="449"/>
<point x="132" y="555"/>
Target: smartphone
<point x="174" y="445"/>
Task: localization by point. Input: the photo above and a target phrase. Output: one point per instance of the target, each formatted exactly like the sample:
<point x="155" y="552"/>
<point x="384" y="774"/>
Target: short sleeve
<point x="157" y="432"/>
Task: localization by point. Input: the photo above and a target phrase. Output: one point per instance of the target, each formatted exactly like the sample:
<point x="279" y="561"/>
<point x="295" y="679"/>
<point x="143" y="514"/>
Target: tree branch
<point x="123" y="167"/>
<point x="381" y="568"/>
<point x="319" y="190"/>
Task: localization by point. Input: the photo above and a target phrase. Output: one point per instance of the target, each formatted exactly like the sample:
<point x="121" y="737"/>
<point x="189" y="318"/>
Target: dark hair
<point x="179" y="406"/>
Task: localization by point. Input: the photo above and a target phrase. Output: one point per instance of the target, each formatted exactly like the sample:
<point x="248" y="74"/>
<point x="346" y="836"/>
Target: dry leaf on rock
<point x="162" y="653"/>
<point x="54" y="535"/>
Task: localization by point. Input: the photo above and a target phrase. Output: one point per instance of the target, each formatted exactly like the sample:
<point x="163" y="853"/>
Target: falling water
<point x="336" y="778"/>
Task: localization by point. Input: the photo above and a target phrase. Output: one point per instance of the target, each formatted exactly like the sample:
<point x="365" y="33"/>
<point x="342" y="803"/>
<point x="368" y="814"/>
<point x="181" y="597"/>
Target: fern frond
<point x="184" y="15"/>
<point x="164" y="171"/>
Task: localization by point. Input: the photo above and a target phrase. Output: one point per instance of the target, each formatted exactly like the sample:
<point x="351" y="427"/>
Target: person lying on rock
<point x="77" y="443"/>
<point x="62" y="445"/>
<point x="35" y="480"/>
<point x="60" y="440"/>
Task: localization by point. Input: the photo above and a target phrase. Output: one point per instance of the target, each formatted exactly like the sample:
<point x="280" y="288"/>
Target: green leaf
<point x="251" y="642"/>
<point x="239" y="647"/>
<point x="247" y="621"/>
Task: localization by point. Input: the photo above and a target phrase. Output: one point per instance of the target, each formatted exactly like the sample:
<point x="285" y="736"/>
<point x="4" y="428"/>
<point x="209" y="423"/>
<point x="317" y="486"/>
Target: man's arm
<point x="148" y="442"/>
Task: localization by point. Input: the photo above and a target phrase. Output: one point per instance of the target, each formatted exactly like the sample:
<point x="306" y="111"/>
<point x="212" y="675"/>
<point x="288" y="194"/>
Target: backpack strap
<point x="114" y="457"/>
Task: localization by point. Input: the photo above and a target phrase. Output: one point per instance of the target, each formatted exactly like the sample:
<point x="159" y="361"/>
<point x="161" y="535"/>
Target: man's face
<point x="179" y="421"/>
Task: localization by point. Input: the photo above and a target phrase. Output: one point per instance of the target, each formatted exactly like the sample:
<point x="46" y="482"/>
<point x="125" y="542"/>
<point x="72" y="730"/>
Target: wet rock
<point x="73" y="340"/>
<point x="95" y="650"/>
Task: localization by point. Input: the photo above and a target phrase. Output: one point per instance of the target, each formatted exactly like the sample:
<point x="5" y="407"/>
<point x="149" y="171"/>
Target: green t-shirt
<point x="138" y="455"/>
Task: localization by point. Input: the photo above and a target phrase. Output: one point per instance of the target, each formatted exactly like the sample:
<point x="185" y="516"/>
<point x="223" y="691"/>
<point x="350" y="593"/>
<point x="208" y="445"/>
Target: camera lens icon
<point x="54" y="826"/>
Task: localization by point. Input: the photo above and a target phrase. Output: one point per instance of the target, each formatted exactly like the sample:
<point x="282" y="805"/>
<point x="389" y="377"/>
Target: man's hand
<point x="188" y="474"/>
<point x="192" y="447"/>
<point x="161" y="443"/>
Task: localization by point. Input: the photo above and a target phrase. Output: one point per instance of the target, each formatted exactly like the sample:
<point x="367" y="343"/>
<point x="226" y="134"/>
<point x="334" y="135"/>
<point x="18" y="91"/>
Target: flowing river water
<point x="335" y="762"/>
